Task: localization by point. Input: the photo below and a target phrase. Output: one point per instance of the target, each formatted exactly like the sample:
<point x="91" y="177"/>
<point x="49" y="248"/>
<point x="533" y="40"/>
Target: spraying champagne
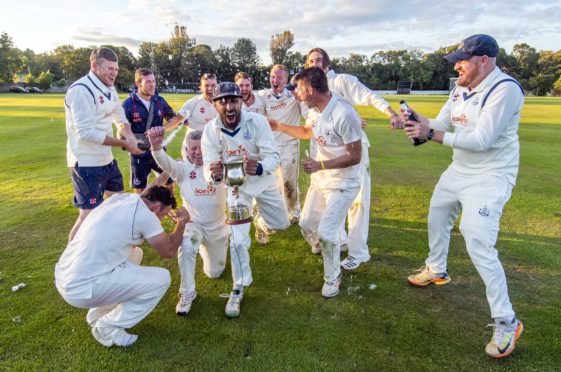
<point x="405" y="107"/>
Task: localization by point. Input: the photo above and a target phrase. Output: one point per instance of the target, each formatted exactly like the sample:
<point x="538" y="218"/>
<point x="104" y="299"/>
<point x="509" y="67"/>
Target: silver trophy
<point x="234" y="176"/>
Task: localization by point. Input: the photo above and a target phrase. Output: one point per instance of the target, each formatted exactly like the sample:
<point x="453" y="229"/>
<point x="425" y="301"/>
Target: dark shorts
<point x="140" y="170"/>
<point x="90" y="183"/>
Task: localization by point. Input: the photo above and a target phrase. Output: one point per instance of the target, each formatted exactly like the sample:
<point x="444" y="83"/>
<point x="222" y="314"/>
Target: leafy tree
<point x="527" y="61"/>
<point x="200" y="59"/>
<point x="294" y="62"/>
<point x="45" y="80"/>
<point x="546" y="73"/>
<point x="10" y="58"/>
<point x="244" y="56"/>
<point x="75" y="62"/>
<point x="279" y="46"/>
<point x="147" y="55"/>
<point x="29" y="80"/>
<point x="557" y="87"/>
<point x="225" y="67"/>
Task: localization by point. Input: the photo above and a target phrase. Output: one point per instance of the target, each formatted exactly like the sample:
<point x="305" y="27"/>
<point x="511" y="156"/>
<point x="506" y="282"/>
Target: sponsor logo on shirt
<point x="460" y="120"/>
<point x="321" y="140"/>
<point x="208" y="191"/>
<point x="192" y="175"/>
<point x="239" y="152"/>
<point x="455" y="97"/>
<point x="202" y="110"/>
<point x="101" y="100"/>
<point x="279" y="106"/>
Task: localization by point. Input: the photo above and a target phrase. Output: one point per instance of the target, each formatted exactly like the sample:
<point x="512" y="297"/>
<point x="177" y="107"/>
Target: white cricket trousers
<point x="287" y="174"/>
<point x="481" y="200"/>
<point x="212" y="244"/>
<point x="359" y="212"/>
<point x="125" y="295"/>
<point x="323" y="216"/>
<point x="272" y="216"/>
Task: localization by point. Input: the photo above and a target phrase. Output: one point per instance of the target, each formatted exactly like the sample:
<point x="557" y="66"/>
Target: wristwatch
<point x="430" y="134"/>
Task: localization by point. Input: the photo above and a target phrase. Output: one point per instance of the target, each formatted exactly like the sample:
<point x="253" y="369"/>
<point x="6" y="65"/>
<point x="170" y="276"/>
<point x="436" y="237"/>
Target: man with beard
<point x="145" y="109"/>
<point x="207" y="232"/>
<point x="250" y="101"/>
<point x="236" y="135"/>
<point x="334" y="127"/>
<point x="282" y="106"/>
<point x="351" y="90"/>
<point x="480" y="123"/>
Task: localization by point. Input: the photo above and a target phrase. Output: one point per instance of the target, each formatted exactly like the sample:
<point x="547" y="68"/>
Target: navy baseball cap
<point x="226" y="89"/>
<point x="293" y="83"/>
<point x="475" y="45"/>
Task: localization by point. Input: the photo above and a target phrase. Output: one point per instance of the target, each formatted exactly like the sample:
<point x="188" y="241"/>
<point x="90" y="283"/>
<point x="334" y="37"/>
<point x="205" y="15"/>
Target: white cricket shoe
<point x="109" y="336"/>
<point x="233" y="306"/>
<point x="316" y="248"/>
<point x="184" y="304"/>
<point x="331" y="289"/>
<point x="351" y="263"/>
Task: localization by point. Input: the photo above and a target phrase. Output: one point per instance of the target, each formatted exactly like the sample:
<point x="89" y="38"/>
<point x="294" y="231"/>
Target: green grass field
<point x="285" y="323"/>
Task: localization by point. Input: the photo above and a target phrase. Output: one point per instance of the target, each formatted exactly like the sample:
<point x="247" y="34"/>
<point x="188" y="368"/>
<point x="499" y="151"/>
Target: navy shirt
<point x="137" y="114"/>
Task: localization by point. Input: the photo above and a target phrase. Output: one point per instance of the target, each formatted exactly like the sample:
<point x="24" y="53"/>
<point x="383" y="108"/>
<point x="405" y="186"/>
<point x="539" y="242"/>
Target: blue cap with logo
<point x="475" y="45"/>
<point x="226" y="89"/>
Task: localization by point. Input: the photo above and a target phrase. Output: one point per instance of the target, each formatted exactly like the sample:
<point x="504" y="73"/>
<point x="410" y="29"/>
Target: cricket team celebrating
<point x="230" y="124"/>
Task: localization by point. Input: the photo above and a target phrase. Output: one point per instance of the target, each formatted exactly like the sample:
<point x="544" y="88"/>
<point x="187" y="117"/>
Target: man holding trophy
<point x="239" y="149"/>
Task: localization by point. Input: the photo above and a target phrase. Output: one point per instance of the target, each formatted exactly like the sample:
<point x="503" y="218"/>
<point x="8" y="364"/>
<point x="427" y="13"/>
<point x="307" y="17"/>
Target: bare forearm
<point x="295" y="131"/>
<point x="175" y="239"/>
<point x="173" y="123"/>
<point x="115" y="142"/>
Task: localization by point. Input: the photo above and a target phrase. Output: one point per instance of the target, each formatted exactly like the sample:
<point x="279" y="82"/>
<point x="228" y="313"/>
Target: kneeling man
<point x="99" y="269"/>
<point x="207" y="231"/>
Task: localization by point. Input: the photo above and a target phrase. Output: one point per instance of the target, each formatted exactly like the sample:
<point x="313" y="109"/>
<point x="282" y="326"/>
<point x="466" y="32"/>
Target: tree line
<point x="180" y="61"/>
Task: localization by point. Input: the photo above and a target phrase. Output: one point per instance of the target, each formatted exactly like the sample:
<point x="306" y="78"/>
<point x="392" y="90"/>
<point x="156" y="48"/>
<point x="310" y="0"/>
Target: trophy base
<point x="239" y="222"/>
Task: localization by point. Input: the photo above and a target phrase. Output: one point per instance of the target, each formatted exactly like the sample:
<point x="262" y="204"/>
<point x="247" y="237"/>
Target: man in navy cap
<point x="480" y="122"/>
<point x="236" y="135"/>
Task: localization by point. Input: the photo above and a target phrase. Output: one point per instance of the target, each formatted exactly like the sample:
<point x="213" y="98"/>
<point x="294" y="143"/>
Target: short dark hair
<point x="315" y="77"/>
<point x="103" y="53"/>
<point x="140" y="72"/>
<point x="326" y="60"/>
<point x="161" y="194"/>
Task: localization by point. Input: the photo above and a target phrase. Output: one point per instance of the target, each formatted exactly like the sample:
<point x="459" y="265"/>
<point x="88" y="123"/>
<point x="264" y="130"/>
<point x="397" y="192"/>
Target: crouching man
<point x="99" y="269"/>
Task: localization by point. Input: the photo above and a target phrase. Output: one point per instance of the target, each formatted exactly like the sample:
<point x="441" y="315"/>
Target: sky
<point x="340" y="27"/>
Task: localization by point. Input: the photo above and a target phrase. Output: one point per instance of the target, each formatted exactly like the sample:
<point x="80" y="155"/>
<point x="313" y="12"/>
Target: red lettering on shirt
<point x="460" y="120"/>
<point x="239" y="152"/>
<point x="279" y="106"/>
<point x="210" y="190"/>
